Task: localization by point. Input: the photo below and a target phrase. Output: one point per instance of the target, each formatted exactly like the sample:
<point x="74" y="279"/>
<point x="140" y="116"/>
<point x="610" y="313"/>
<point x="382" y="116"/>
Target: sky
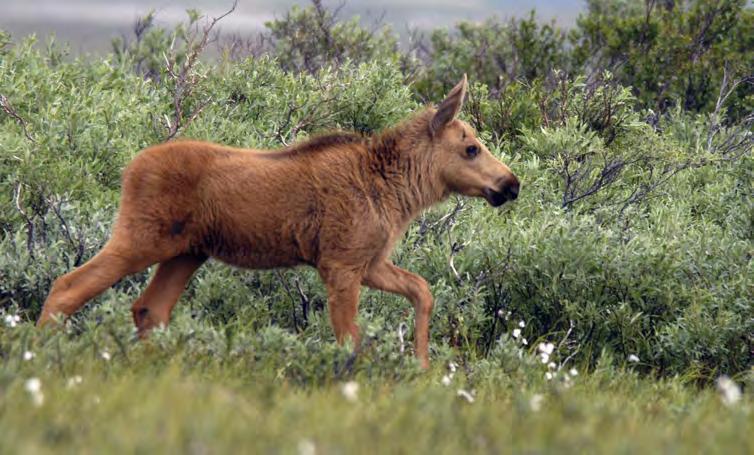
<point x="88" y="25"/>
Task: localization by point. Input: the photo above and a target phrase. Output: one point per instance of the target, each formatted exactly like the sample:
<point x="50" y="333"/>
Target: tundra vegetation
<point x="608" y="309"/>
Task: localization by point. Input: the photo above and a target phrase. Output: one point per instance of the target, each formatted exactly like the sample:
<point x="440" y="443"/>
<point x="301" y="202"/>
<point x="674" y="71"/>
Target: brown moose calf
<point x="337" y="202"/>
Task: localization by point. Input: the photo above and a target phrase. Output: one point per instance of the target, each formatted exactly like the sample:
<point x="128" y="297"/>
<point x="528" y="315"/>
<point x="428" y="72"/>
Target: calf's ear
<point x="450" y="107"/>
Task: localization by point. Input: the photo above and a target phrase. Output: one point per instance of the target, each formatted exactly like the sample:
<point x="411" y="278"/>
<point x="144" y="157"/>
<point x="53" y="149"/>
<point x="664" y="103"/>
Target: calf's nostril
<point x="510" y="188"/>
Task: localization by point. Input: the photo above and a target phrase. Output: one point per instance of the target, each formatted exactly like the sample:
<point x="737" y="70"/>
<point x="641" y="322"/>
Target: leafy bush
<point x="309" y="39"/>
<point x="493" y="53"/>
<point x="632" y="236"/>
<point x="670" y="52"/>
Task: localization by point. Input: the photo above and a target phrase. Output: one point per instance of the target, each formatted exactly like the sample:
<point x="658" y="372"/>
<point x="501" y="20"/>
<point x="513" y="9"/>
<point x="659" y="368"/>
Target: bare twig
<point x="304" y="299"/>
<point x="739" y="141"/>
<point x="27" y="220"/>
<point x="565" y="361"/>
<point x="237" y="47"/>
<point x="8" y="109"/>
<point x="185" y="79"/>
<point x="402" y="330"/>
<point x="78" y="243"/>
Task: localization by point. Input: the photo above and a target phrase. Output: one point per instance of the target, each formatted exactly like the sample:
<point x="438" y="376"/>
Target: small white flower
<point x="34" y="387"/>
<point x="452" y="367"/>
<point x="500" y="313"/>
<point x="516" y="333"/>
<point x="548" y="376"/>
<point x="465" y="395"/>
<point x="535" y="402"/>
<point x="551" y="366"/>
<point x="573" y="372"/>
<point x="12" y="320"/>
<point x="633" y="358"/>
<point x="350" y="390"/>
<point x="524" y="342"/>
<point x="73" y="381"/>
<point x="544" y="357"/>
<point x="28" y="355"/>
<point x="306" y="447"/>
<point x="446" y="380"/>
<point x="105" y="355"/>
<point x="730" y="392"/>
<point x="521" y="324"/>
<point x="546" y="348"/>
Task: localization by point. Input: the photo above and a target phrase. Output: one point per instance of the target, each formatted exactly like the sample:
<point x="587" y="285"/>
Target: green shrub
<point x="492" y="53"/>
<point x="671" y="52"/>
<point x="632" y="235"/>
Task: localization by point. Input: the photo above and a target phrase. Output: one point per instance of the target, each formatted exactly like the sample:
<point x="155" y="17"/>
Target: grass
<point x="173" y="397"/>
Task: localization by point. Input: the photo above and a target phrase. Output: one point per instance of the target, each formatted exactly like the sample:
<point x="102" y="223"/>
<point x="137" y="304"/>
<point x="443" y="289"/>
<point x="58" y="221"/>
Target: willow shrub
<point x="668" y="280"/>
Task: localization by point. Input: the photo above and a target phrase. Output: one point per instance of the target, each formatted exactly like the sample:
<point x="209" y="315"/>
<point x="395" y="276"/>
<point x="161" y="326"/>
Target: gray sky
<point x="89" y="24"/>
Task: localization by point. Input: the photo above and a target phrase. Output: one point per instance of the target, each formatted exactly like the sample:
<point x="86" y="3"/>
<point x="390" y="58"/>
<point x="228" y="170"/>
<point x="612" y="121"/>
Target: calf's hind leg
<point x="155" y="304"/>
<point x="72" y="290"/>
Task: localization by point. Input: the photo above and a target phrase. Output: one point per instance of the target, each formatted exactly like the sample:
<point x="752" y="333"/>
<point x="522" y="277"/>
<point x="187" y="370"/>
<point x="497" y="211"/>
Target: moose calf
<point x="338" y="202"/>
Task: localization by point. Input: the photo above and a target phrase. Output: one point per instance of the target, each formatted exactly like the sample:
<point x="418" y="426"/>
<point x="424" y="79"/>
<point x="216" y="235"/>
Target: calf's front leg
<point x="343" y="289"/>
<point x="387" y="277"/>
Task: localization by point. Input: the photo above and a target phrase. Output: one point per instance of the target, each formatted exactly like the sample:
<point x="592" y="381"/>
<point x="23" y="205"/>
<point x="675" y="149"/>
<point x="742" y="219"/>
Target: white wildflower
<point x="34" y="387"/>
<point x="73" y="381"/>
<point x="546" y="348"/>
<point x="544" y="357"/>
<point x="516" y="333"/>
<point x="521" y="324"/>
<point x="465" y="395"/>
<point x="452" y="367"/>
<point x="12" y="320"/>
<point x="535" y="402"/>
<point x="730" y="392"/>
<point x="633" y="358"/>
<point x="307" y="447"/>
<point x="350" y="390"/>
<point x="573" y="372"/>
<point x="446" y="380"/>
<point x="551" y="366"/>
<point x="549" y="376"/>
<point x="28" y="355"/>
<point x="105" y="355"/>
<point x="524" y="342"/>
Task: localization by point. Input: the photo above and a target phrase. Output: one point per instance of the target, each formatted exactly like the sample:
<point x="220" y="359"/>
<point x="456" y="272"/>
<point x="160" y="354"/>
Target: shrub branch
<point x="185" y="78"/>
<point x="9" y="110"/>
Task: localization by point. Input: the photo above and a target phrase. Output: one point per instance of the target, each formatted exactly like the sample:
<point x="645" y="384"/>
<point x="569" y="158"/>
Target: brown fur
<point x="338" y="202"/>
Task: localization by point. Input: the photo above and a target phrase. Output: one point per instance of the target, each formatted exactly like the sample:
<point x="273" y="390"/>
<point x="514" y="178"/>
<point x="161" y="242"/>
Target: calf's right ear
<point x="450" y="107"/>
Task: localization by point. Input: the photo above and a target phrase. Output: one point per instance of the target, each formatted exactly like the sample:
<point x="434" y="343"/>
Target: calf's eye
<point x="472" y="151"/>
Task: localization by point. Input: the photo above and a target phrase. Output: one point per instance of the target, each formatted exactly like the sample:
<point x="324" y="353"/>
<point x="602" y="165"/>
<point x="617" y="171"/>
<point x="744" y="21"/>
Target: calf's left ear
<point x="450" y="107"/>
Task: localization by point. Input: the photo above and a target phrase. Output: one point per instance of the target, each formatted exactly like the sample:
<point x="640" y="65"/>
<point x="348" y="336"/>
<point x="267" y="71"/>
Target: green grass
<point x="170" y="396"/>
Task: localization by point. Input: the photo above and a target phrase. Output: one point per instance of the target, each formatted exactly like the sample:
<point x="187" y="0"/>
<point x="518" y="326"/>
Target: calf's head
<point x="464" y="165"/>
